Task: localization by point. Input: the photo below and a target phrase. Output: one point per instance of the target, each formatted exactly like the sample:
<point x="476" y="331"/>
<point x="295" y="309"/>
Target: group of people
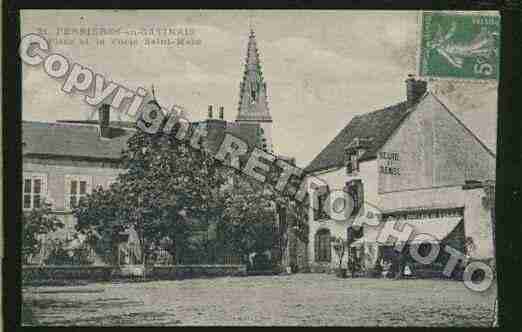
<point x="387" y="266"/>
<point x="394" y="264"/>
<point x="390" y="269"/>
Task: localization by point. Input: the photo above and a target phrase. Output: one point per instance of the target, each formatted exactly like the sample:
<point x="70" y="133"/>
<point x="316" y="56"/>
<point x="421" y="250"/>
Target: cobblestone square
<point x="298" y="300"/>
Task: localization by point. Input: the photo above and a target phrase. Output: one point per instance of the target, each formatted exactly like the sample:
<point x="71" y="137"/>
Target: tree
<point x="35" y="224"/>
<point x="249" y="217"/>
<point x="170" y="190"/>
<point x="166" y="191"/>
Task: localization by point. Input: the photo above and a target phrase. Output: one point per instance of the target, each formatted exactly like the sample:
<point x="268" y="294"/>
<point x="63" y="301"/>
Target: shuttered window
<point x="34" y="189"/>
<point x="76" y="188"/>
<point x="352" y="164"/>
<point x="322" y="196"/>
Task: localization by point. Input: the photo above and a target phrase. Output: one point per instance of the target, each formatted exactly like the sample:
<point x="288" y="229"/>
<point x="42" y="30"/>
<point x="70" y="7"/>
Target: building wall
<point x="55" y="172"/>
<point x="433" y="168"/>
<point x="336" y="180"/>
<point x="434" y="150"/>
<point x="478" y="224"/>
<point x="429" y="158"/>
<point x="477" y="219"/>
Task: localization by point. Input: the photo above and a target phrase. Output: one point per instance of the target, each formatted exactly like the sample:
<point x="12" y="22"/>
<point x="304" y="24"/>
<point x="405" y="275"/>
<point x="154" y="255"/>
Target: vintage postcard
<point x="258" y="167"/>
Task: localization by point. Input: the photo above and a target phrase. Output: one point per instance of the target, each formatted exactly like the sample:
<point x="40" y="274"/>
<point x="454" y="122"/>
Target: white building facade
<point x="413" y="163"/>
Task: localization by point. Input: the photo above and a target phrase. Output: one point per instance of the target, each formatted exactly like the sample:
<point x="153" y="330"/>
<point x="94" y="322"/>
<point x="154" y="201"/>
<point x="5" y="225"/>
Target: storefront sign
<point x="389" y="163"/>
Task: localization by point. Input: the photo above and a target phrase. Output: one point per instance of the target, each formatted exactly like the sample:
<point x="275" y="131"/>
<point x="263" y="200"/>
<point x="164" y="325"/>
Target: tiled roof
<point x="376" y="127"/>
<point x="246" y="131"/>
<point x="72" y="140"/>
<point x="216" y="130"/>
<point x="80" y="139"/>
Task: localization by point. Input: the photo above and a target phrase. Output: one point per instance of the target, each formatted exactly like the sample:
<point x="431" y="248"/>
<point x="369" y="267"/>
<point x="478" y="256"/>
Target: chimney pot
<point x="221" y="112"/>
<point x="415" y="89"/>
<point x="210" y="111"/>
<point x="104" y="120"/>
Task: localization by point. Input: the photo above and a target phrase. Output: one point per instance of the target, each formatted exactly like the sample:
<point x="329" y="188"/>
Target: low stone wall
<point x="66" y="272"/>
<point x="316" y="267"/>
<point x="194" y="271"/>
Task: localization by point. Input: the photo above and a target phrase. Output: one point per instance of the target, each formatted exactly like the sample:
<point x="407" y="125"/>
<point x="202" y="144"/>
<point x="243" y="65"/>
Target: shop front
<point x="377" y="254"/>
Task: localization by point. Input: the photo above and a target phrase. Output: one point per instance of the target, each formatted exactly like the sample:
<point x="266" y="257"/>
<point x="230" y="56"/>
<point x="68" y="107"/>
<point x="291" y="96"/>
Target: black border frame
<point x="509" y="149"/>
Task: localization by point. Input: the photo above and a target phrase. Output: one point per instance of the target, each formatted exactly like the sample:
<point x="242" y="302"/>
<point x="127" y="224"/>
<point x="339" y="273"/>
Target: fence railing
<point x="231" y="260"/>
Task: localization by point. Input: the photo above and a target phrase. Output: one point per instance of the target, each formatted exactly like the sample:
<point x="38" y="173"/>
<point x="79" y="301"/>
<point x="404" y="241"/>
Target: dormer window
<point x="354" y="151"/>
<point x="352" y="163"/>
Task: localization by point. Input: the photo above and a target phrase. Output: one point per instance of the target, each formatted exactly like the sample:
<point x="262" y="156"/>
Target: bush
<point x="57" y="254"/>
<point x="261" y="262"/>
<point x="36" y="223"/>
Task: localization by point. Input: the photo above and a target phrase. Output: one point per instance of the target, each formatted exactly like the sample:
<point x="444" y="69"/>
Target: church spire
<point x="253" y="104"/>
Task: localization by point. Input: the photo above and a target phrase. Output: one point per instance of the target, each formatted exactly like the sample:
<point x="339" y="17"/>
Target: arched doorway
<point x="323" y="248"/>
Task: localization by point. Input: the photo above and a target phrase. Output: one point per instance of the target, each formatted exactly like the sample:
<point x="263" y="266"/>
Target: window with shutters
<point x="355" y="189"/>
<point x="76" y="188"/>
<point x="34" y="189"/>
<point x="352" y="164"/>
<point x="354" y="151"/>
<point x="323" y="246"/>
<point x="321" y="208"/>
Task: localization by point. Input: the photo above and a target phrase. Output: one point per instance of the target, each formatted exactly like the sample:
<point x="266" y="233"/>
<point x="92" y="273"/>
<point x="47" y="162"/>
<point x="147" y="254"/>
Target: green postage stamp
<point x="459" y="46"/>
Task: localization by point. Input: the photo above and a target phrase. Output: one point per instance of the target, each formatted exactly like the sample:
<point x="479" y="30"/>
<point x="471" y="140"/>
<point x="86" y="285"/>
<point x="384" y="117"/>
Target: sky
<point x="321" y="68"/>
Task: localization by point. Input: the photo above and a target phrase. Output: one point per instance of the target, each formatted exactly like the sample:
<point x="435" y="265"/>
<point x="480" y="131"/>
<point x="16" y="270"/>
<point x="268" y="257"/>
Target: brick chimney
<point x="221" y="112"/>
<point x="210" y="111"/>
<point x="104" y="119"/>
<point x="415" y="89"/>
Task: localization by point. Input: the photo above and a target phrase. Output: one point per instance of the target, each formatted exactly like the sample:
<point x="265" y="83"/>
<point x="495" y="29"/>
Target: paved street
<point x="301" y="299"/>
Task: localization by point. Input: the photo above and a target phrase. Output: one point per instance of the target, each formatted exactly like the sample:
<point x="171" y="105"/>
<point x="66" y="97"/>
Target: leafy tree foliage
<point x="172" y="191"/>
<point x="36" y="223"/>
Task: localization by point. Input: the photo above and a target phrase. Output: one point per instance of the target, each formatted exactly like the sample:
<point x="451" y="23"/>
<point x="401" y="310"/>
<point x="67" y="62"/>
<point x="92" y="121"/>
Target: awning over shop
<point x="424" y="230"/>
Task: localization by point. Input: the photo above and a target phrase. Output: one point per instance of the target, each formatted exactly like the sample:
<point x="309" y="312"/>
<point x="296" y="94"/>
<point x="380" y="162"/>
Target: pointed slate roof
<point x="253" y="86"/>
<point x="376" y="127"/>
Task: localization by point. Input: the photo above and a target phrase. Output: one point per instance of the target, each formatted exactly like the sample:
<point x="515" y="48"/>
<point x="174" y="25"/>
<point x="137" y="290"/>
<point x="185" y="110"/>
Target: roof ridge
<point x="59" y="124"/>
<point x="393" y="106"/>
<point x="377" y="125"/>
<point x="463" y="124"/>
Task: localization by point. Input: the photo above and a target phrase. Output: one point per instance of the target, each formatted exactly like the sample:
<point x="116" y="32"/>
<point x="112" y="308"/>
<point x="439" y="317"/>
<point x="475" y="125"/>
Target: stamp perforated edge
<point x="420" y="21"/>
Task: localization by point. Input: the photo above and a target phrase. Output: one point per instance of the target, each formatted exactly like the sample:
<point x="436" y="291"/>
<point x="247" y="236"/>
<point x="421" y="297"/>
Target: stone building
<point x="65" y="160"/>
<point x="413" y="162"/>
